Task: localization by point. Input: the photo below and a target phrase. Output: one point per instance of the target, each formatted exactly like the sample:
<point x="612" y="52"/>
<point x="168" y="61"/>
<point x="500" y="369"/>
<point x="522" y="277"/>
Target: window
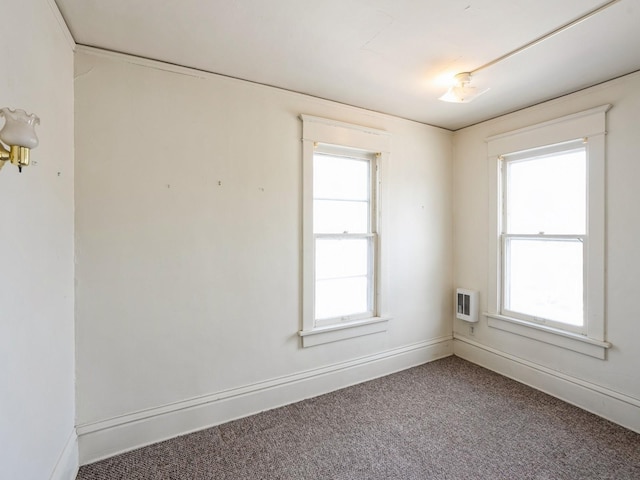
<point x="344" y="228"/>
<point x="547" y="232"/>
<point x="543" y="235"/>
<point x="343" y="280"/>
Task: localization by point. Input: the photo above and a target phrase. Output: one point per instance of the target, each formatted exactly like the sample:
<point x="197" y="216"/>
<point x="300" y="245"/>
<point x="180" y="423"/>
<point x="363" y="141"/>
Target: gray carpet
<point x="448" y="419"/>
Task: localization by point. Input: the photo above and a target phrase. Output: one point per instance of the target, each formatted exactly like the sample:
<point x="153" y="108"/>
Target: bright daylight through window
<point x="543" y="237"/>
<point x="345" y="236"/>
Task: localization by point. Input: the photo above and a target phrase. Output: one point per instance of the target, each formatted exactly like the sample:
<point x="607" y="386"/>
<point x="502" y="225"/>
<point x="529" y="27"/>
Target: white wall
<point x="37" y="435"/>
<point x="188" y="236"/>
<point x="611" y="387"/>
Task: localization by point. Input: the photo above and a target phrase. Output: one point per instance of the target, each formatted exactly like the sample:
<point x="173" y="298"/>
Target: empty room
<point x="363" y="239"/>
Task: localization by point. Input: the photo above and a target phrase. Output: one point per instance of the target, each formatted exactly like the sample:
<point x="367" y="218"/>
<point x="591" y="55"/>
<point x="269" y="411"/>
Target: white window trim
<point x="316" y="130"/>
<point x="591" y="125"/>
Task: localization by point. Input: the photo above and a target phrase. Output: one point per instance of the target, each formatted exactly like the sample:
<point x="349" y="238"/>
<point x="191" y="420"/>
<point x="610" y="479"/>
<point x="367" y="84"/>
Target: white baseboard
<point x="67" y="466"/>
<point x="614" y="406"/>
<point x="113" y="436"/>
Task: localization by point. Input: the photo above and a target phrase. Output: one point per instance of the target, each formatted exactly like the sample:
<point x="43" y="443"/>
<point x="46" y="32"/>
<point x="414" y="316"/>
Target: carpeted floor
<point x="448" y="419"/>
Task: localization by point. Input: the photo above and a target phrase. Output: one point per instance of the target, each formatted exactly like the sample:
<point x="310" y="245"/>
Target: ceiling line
<point x="177" y="67"/>
<point x="546" y="36"/>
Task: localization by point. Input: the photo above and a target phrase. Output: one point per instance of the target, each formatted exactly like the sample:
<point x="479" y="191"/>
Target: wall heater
<point x="467" y="305"/>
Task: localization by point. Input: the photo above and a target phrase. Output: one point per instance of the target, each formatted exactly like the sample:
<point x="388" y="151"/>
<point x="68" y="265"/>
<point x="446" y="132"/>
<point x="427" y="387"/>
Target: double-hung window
<point x="547" y="232"/>
<point x="543" y="235"/>
<point x="345" y="235"/>
<point x="343" y="274"/>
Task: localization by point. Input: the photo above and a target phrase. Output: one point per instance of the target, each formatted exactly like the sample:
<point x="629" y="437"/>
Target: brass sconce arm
<point x="17" y="155"/>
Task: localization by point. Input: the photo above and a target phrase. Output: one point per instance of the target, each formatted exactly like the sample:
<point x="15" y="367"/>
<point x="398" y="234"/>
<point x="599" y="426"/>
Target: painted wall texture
<point x="187" y="224"/>
<point x="36" y="259"/>
<point x="188" y="231"/>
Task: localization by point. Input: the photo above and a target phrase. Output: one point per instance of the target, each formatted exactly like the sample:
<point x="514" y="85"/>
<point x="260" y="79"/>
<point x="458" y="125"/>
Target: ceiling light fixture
<point x="462" y="92"/>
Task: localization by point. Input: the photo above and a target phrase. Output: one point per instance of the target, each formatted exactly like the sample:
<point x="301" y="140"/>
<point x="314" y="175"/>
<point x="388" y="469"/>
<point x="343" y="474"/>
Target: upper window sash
<point x="370" y="199"/>
<point x="511" y="216"/>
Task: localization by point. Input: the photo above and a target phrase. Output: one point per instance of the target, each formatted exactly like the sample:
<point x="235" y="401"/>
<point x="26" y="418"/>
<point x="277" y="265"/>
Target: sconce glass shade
<point x="19" y="128"/>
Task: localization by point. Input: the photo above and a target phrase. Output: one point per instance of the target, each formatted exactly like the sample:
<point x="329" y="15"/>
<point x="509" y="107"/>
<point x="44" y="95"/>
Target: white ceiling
<point x="391" y="56"/>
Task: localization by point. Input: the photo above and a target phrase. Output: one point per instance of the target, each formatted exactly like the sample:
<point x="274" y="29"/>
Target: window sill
<point x="570" y="341"/>
<point x="334" y="333"/>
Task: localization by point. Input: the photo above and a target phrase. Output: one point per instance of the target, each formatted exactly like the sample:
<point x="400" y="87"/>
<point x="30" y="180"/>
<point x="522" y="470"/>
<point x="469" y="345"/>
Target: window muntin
<point x="344" y="236"/>
<point x="543" y="236"/>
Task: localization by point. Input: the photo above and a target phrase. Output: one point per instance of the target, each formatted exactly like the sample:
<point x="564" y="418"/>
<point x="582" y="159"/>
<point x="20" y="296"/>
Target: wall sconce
<point x="19" y="135"/>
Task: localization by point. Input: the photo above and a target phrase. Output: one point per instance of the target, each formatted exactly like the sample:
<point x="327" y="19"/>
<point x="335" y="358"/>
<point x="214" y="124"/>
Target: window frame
<point x="339" y="138"/>
<point x="506" y="236"/>
<point x="371" y="234"/>
<point x="588" y="126"/>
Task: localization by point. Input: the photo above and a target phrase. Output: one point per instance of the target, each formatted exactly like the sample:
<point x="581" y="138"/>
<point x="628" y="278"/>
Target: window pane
<point x="341" y="297"/>
<point x="340" y="178"/>
<point x="547" y="194"/>
<point x="544" y="279"/>
<point x="342" y="257"/>
<point x="332" y="216"/>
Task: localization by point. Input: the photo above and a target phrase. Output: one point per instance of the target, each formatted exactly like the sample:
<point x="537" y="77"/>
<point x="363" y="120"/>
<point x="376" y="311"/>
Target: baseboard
<point x="113" y="436"/>
<point x="67" y="466"/>
<point x="614" y="406"/>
